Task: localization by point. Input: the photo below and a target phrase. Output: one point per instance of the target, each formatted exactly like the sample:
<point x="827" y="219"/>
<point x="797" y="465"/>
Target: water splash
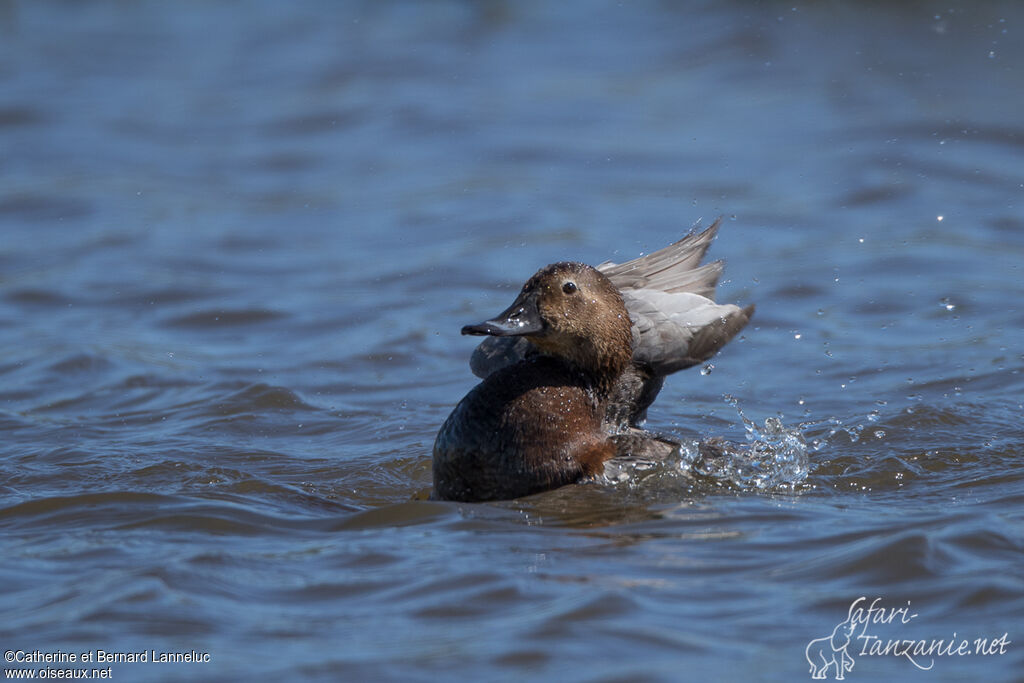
<point x="823" y="432"/>
<point x="775" y="456"/>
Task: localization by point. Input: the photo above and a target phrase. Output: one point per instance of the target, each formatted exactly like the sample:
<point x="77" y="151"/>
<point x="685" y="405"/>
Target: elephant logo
<point x="831" y="650"/>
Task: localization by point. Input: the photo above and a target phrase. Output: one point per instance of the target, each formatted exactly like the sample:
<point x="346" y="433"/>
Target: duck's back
<point x="528" y="427"/>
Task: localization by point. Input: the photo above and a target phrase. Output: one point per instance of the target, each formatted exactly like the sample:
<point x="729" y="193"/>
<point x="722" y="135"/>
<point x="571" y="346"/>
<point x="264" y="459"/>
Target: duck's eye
<point x="569" y="287"/>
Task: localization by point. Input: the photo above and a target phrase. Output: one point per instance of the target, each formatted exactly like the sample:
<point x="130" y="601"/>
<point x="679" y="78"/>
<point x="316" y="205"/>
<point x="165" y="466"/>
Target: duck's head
<point x="571" y="311"/>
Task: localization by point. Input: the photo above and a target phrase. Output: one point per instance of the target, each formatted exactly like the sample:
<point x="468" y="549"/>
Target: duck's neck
<point x="599" y="364"/>
<point x="604" y="369"/>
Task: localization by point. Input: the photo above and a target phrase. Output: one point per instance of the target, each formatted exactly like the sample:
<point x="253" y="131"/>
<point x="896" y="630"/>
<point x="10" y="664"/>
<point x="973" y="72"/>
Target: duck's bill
<point x="519" y="319"/>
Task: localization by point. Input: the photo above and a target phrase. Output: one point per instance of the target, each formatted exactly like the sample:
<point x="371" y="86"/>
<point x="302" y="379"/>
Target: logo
<point x="830" y="651"/>
<point x="868" y="631"/>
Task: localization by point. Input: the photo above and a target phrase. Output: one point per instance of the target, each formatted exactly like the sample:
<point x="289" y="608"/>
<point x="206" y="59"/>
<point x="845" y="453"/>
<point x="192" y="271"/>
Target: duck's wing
<point x="672" y="332"/>
<point x="670" y="299"/>
<point x="675" y="268"/>
<point x="494" y="353"/>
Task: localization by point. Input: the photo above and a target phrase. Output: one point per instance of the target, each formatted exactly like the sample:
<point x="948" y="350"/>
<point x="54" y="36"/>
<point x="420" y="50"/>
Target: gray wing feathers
<point x="676" y="331"/>
<point x="676" y="268"/>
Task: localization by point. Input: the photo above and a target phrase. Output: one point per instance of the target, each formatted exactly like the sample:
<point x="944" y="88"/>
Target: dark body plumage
<point x="508" y="437"/>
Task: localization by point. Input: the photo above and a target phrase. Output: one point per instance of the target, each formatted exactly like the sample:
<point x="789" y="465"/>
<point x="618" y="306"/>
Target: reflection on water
<point x="237" y="248"/>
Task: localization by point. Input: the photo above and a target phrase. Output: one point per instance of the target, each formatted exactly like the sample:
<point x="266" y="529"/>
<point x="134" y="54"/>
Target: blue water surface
<point x="238" y="242"/>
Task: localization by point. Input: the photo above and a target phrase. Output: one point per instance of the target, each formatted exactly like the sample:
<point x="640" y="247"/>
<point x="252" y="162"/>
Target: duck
<point x="571" y="367"/>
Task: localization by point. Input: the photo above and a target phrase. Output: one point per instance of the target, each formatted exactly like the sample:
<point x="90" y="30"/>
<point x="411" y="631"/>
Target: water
<point x="238" y="245"/>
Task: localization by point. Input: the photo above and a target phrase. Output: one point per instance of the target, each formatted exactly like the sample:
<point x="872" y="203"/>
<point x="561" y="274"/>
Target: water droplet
<point x="939" y="218"/>
<point x="706" y="370"/>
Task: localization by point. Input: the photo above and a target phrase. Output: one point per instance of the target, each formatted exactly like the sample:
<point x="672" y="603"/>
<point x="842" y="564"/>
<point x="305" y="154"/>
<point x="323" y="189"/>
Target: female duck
<point x="571" y="366"/>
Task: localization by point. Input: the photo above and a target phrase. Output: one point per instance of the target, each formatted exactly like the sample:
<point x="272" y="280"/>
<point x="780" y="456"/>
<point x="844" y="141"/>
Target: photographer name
<point x="104" y="657"/>
<point x="149" y="657"/>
